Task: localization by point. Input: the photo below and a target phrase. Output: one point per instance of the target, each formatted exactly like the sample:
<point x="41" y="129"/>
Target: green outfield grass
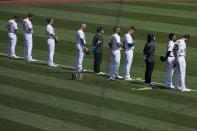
<point x="35" y="97"/>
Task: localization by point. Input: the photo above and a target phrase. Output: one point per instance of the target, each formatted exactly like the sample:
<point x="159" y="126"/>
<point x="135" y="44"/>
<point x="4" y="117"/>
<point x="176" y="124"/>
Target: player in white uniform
<point x="51" y="40"/>
<point x="80" y="48"/>
<point x="180" y="53"/>
<point x="170" y="61"/>
<point x="115" y="45"/>
<point x="12" y="37"/>
<point x="28" y="41"/>
<point x="128" y="44"/>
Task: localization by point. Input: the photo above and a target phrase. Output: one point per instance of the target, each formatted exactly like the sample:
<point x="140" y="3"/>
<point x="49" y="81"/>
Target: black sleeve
<point x="168" y="54"/>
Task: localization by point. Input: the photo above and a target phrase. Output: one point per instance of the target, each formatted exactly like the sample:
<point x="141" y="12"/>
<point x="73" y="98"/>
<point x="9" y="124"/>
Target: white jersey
<point x="180" y="47"/>
<point x="12" y="26"/>
<point x="170" y="48"/>
<point x="27" y="25"/>
<point x="50" y="30"/>
<point x="80" y="35"/>
<point x="114" y="40"/>
<point x="128" y="40"/>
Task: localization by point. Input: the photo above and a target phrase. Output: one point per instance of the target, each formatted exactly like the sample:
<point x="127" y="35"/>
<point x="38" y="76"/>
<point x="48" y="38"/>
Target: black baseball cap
<point x="30" y="15"/>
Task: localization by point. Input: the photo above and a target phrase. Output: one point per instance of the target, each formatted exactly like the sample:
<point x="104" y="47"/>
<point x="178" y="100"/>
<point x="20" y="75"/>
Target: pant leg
<point x="152" y="64"/>
<point x="9" y="46"/>
<point x="97" y="62"/>
<point x="13" y="45"/>
<point x="182" y="64"/>
<point x="51" y="51"/>
<point x="177" y="77"/>
<point x="28" y="46"/>
<point x="117" y="63"/>
<point x="149" y="70"/>
<point x="112" y="64"/>
<point x="169" y="73"/>
<point x="127" y="64"/>
<point x="79" y="59"/>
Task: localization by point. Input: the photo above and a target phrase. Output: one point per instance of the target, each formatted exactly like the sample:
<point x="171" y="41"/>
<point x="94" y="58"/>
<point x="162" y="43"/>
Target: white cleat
<point x="100" y="73"/>
<point x="112" y="79"/>
<point x="177" y="89"/>
<point x="32" y="60"/>
<point x="186" y="90"/>
<point x="129" y="79"/>
<point x="52" y="65"/>
<point x="170" y="87"/>
<point x="119" y="77"/>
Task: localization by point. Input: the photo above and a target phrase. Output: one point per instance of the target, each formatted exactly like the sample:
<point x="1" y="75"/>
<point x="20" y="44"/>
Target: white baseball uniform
<point x="115" y="55"/>
<point x="128" y="54"/>
<point x="80" y="50"/>
<point x="51" y="44"/>
<point x="180" y="47"/>
<point x="170" y="63"/>
<point x="28" y="41"/>
<point x="12" y="38"/>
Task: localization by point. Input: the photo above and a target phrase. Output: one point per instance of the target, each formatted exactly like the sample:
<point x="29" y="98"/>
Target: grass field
<point x="34" y="97"/>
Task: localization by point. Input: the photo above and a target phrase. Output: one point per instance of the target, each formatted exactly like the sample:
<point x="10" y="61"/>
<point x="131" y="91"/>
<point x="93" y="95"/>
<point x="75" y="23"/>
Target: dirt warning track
<point x="38" y="2"/>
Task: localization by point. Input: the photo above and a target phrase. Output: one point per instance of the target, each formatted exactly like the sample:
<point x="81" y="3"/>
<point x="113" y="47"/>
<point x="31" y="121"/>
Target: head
<point x="172" y="36"/>
<point x="16" y="18"/>
<point x="50" y="20"/>
<point x="117" y="30"/>
<point x="132" y="30"/>
<point x="186" y="37"/>
<point x="30" y="16"/>
<point x="100" y="30"/>
<point x="150" y="37"/>
<point x="83" y="27"/>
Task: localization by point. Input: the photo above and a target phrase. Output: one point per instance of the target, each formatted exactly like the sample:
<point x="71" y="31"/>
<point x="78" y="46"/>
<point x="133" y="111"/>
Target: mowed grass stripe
<point x="153" y="26"/>
<point x="35" y="120"/>
<point x="70" y="102"/>
<point x="9" y="125"/>
<point x="144" y="9"/>
<point x="109" y="115"/>
<point x="164" y="5"/>
<point x="110" y="93"/>
<point x="74" y="25"/>
<point x="88" y="63"/>
<point x="124" y="14"/>
<point x="64" y="115"/>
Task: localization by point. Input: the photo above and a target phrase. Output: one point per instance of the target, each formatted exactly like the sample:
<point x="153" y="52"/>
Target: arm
<point x="55" y="37"/>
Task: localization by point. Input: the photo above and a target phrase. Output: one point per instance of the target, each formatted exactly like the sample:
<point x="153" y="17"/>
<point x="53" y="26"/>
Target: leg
<point x="169" y="73"/>
<point x="147" y="72"/>
<point x="81" y="56"/>
<point x="117" y="63"/>
<point x="112" y="65"/>
<point x="96" y="58"/>
<point x="77" y="59"/>
<point x="100" y="55"/>
<point x="177" y="78"/>
<point x="151" y="70"/>
<point x="182" y="72"/>
<point x="13" y="45"/>
<point x="51" y="48"/>
<point x="9" y="46"/>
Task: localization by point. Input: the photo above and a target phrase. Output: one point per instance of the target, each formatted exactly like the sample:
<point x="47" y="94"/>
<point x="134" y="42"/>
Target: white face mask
<point x="102" y="32"/>
<point x="154" y="38"/>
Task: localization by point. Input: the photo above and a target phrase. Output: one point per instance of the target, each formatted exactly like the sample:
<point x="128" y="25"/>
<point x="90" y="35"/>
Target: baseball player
<point x="180" y="53"/>
<point x="115" y="45"/>
<point x="80" y="48"/>
<point x="28" y="41"/>
<point x="170" y="61"/>
<point x="51" y="40"/>
<point x="128" y="44"/>
<point x="12" y="37"/>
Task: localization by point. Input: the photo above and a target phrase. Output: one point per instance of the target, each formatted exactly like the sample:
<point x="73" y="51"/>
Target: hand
<point x="120" y="44"/>
<point x="133" y="42"/>
<point x="56" y="39"/>
<point x="99" y="42"/>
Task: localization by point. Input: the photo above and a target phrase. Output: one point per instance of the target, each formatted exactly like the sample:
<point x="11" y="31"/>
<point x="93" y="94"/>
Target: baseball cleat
<point x="186" y="89"/>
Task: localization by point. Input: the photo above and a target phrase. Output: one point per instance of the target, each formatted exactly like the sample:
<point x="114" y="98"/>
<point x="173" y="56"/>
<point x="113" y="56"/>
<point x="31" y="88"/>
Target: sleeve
<point x="129" y="39"/>
<point x="15" y="27"/>
<point x="29" y="25"/>
<point x="170" y="47"/>
<point x="80" y="33"/>
<point x="49" y="30"/>
<point x="117" y="38"/>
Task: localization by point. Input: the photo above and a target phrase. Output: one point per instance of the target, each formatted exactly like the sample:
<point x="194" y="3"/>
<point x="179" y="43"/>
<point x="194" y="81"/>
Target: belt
<point x="170" y="56"/>
<point x="181" y="55"/>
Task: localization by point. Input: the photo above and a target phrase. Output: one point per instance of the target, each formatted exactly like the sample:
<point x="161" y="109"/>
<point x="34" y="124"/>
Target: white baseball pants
<point x="79" y="58"/>
<point x="28" y="45"/>
<point x="12" y="39"/>
<point x="170" y="71"/>
<point x="51" y="51"/>
<point x="180" y="73"/>
<point x="115" y="63"/>
<point x="127" y="63"/>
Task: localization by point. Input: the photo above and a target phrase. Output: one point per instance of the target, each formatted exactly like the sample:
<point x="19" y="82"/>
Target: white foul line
<point x="86" y="70"/>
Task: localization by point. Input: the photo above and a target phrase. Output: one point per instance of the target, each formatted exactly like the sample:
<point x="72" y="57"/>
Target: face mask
<point x="102" y="32"/>
<point x="154" y="38"/>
